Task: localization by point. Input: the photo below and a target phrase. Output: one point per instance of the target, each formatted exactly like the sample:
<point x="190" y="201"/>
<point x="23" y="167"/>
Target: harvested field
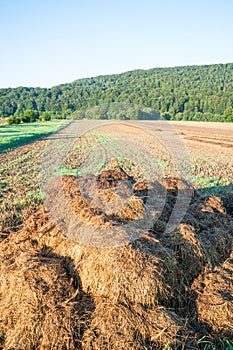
<point x="155" y="289"/>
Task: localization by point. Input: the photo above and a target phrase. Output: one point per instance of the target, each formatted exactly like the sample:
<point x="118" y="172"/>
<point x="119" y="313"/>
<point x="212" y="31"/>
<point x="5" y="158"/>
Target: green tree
<point x="30" y="115"/>
<point x="13" y="120"/>
<point x="228" y="114"/>
<point x="192" y="92"/>
<point x="45" y="116"/>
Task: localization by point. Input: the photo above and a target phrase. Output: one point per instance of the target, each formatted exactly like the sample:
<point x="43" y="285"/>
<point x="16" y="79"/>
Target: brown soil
<point x="161" y="288"/>
<point x="209" y="145"/>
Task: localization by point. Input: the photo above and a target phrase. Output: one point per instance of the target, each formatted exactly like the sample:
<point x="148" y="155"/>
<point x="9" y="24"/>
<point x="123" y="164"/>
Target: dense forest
<point x="180" y="93"/>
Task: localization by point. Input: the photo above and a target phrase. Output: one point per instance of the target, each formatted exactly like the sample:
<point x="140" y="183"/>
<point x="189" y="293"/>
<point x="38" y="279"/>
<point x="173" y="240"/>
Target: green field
<point x="12" y="136"/>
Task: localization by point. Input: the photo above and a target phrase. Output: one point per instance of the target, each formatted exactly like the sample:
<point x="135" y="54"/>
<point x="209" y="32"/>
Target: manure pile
<point x="160" y="289"/>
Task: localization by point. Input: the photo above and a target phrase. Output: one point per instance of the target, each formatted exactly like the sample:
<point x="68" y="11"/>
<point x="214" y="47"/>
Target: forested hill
<point x="188" y="93"/>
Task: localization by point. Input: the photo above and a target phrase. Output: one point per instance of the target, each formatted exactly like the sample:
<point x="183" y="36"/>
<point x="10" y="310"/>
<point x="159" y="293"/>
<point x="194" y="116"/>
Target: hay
<point x="142" y="272"/>
<point x="132" y="295"/>
<point x="188" y="251"/>
<point x="125" y="326"/>
<point x="42" y="304"/>
<point x="155" y="290"/>
<point x="215" y="298"/>
<point x="34" y="302"/>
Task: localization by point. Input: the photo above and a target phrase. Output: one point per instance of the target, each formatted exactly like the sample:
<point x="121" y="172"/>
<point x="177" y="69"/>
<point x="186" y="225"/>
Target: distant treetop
<point x="202" y="93"/>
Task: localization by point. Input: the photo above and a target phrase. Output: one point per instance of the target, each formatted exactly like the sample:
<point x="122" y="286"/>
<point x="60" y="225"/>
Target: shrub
<point x="25" y="119"/>
<point x="45" y="116"/>
<point x="13" y="120"/>
<point x="31" y="115"/>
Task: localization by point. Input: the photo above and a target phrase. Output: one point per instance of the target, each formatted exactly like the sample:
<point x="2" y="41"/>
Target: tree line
<point x="202" y="93"/>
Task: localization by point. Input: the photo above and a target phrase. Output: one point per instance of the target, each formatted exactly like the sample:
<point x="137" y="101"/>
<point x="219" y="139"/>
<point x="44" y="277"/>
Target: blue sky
<point x="48" y="42"/>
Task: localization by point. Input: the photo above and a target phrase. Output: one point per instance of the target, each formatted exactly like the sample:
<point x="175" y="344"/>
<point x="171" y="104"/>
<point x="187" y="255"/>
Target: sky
<point x="50" y="42"/>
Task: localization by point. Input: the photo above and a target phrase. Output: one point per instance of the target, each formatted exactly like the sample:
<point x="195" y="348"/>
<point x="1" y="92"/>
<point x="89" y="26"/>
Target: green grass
<point x="209" y="182"/>
<point x="12" y="136"/>
<point x="206" y="344"/>
<point x="212" y="185"/>
<point x="1" y="335"/>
